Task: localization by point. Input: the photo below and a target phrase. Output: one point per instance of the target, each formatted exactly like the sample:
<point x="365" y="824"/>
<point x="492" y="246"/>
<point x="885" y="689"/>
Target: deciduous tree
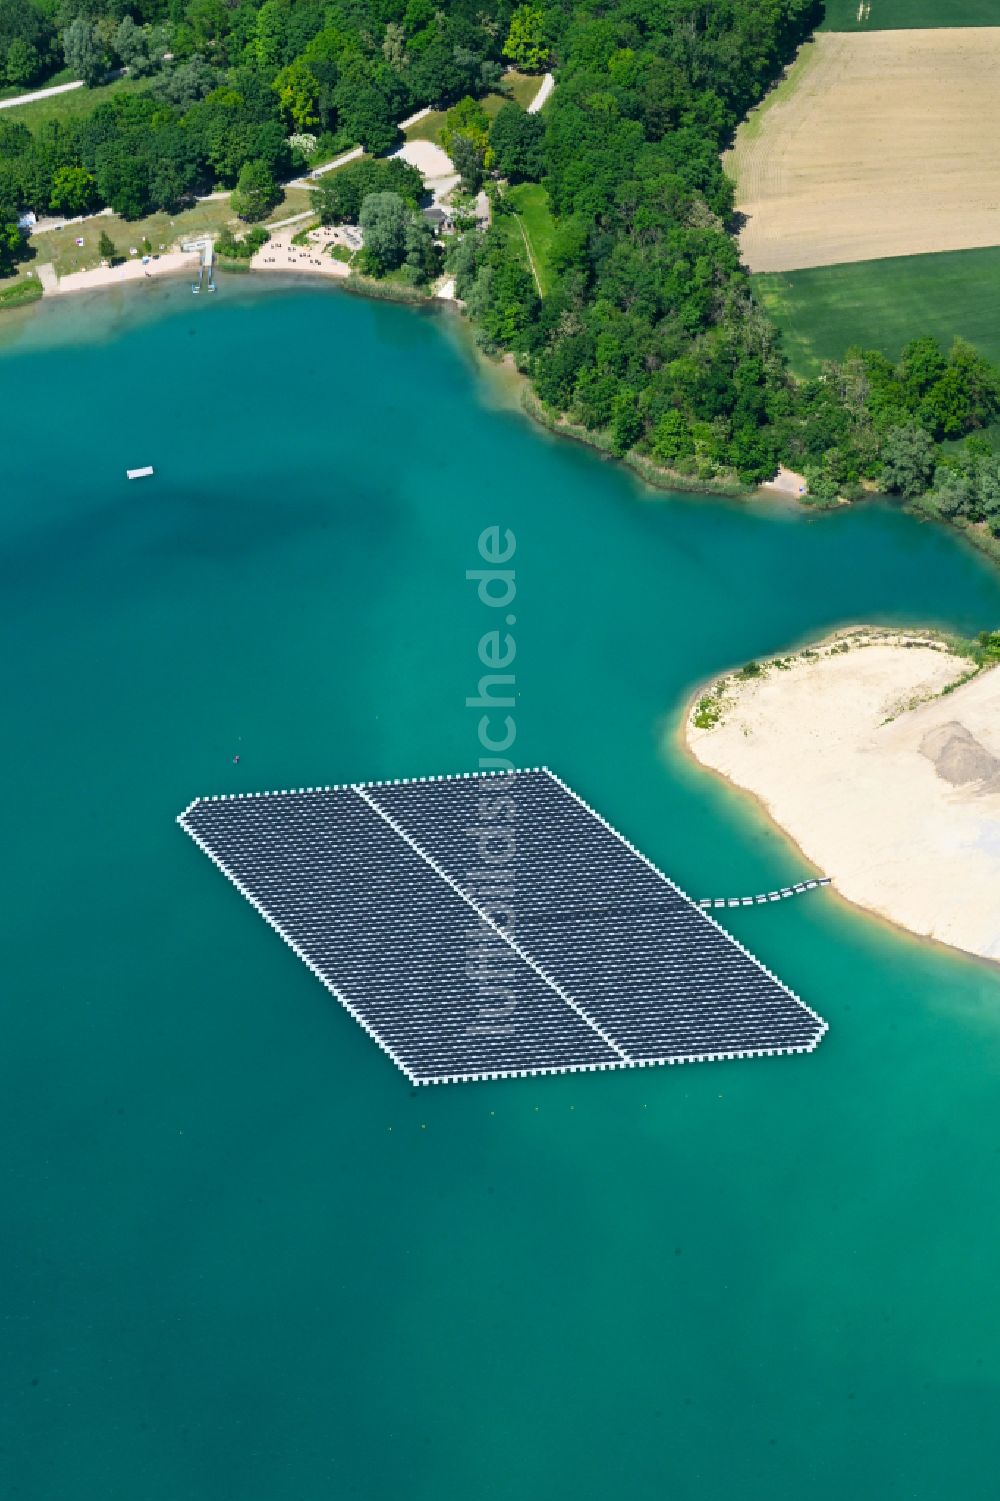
<point x="84" y="51"/>
<point x="74" y="191"/>
<point x="516" y="143"/>
<point x="907" y="460"/>
<point x="384" y="218"/>
<point x="256" y="192"/>
<point x="527" y="43"/>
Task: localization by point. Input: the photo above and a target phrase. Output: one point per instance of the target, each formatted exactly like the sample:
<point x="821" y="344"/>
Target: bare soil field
<point x="877" y="144"/>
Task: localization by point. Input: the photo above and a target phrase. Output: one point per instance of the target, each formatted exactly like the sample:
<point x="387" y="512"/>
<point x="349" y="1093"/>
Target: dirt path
<point x="59" y="88"/>
<point x="531" y="258"/>
<point x="548" y="84"/>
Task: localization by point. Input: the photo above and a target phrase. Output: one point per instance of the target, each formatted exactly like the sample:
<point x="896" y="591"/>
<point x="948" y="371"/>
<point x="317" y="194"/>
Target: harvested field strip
<point x="875" y="145"/>
<point x="894" y="15"/>
<point x="883" y="304"/>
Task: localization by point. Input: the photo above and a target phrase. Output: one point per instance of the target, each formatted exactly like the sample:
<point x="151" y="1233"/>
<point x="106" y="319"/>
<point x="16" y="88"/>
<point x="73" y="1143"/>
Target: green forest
<point x="648" y="336"/>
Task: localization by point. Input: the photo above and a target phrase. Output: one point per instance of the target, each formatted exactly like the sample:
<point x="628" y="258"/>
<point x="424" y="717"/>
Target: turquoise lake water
<point x="242" y="1258"/>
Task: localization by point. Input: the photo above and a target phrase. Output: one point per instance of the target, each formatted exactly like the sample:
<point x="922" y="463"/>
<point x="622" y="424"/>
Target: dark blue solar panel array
<point x="495" y="925"/>
<point x="390" y="938"/>
<point x="636" y="954"/>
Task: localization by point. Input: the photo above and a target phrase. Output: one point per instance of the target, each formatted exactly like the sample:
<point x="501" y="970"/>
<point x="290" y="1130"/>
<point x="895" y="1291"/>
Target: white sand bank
<point x="887" y="786"/>
<point x="786" y="482"/>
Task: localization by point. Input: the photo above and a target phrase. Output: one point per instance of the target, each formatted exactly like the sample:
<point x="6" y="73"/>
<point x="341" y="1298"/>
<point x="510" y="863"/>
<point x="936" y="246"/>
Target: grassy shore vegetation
<point x="896" y="15"/>
<point x="19" y="293"/>
<point x="884" y="304"/>
<point x="981" y="651"/>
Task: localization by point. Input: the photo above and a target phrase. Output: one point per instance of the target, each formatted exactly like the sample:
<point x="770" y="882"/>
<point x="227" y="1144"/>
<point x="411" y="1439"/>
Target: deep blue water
<point x="242" y="1258"/>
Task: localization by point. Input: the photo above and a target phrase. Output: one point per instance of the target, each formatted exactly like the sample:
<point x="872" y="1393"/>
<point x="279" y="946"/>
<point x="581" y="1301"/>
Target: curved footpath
<point x="880" y="756"/>
<point x="36" y="94"/>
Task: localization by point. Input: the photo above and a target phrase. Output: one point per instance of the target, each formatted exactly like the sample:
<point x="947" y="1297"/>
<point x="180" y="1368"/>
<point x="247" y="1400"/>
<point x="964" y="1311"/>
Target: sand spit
<point x="880" y="756"/>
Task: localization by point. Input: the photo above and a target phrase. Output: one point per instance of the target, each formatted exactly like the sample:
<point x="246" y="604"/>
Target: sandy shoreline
<point x="878" y="755"/>
<point x="169" y="264"/>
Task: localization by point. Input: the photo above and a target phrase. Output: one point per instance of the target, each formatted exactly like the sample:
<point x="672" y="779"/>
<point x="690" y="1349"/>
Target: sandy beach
<point x="313" y="258"/>
<point x="883" y="765"/>
<point x="279" y="254"/>
<point x="172" y="262"/>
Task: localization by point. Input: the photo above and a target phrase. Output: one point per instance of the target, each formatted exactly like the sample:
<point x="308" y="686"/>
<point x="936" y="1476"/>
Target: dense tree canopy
<point x="648" y="333"/>
<point x="226" y="83"/>
<point x="516" y="142"/>
<point x="28" y="45"/>
<point x="396" y="238"/>
<point x="339" y="196"/>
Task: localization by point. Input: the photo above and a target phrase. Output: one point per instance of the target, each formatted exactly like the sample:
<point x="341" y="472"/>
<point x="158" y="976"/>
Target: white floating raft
<point x="140" y="473"/>
<point x="765" y="896"/>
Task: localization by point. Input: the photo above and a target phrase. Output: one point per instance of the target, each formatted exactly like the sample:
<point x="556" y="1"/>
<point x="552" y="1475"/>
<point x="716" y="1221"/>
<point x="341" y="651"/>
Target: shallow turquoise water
<point x="242" y="1258"/>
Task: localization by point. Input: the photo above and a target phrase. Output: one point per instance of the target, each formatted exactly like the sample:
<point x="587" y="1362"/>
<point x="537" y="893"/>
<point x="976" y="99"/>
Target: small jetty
<point x="142" y="473"/>
<point x="206" y="248"/>
<point x="765" y="896"/>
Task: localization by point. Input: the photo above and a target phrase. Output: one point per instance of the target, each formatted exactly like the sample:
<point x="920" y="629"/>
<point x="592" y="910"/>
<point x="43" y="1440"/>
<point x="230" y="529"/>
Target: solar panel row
<point x="484" y="926"/>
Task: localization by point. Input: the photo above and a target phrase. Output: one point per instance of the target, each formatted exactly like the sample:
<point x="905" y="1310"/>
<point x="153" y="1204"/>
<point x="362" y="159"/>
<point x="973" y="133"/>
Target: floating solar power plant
<point x="491" y="925"/>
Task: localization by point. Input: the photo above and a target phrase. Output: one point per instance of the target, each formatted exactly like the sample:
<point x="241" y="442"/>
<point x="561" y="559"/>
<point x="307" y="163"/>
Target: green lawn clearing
<point x="10" y="91"/>
<point x="68" y="106"/>
<point x="494" y="103"/>
<point x="59" y="247"/>
<point x="901" y="15"/>
<point x="530" y="229"/>
<point x="522" y="87"/>
<point x="882" y="304"/>
<point x="531" y="207"/>
<point x="427" y="129"/>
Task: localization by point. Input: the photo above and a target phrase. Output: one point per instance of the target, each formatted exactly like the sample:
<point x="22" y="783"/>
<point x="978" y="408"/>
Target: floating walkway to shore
<point x="765" y="896"/>
<point x="492" y="925"/>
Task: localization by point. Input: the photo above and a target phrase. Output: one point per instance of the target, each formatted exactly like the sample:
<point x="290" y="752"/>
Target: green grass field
<point x="522" y="87"/>
<point x="68" y="106"/>
<point x="427" y="129"/>
<point x="532" y="214"/>
<point x="517" y="86"/>
<point x="882" y="304"/>
<point x="901" y="15"/>
<point x="10" y="91"/>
